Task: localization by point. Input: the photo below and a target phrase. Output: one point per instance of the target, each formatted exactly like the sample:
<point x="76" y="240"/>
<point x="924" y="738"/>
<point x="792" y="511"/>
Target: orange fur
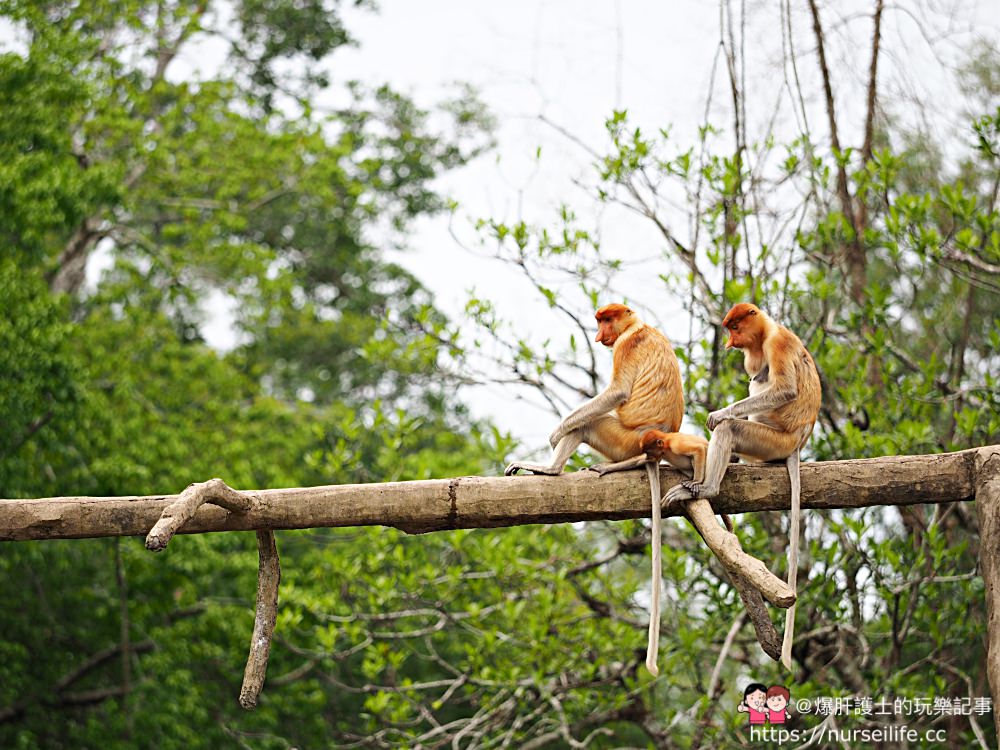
<point x="784" y="373"/>
<point x="784" y="402"/>
<point x="645" y="365"/>
<point x="679" y="450"/>
<point x="767" y="344"/>
<point x="645" y="393"/>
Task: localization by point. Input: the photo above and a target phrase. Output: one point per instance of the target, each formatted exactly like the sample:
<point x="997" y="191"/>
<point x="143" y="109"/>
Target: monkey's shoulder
<point x="642" y="345"/>
<point x="781" y="344"/>
<point x="783" y="349"/>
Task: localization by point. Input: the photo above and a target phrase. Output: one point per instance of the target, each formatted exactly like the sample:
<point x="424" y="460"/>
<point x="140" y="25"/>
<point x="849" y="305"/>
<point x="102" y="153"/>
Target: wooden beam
<point x="486" y="502"/>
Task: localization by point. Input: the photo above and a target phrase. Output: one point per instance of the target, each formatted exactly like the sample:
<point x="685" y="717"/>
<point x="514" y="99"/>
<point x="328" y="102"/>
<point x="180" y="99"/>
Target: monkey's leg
<point x="697" y="449"/>
<point x="686" y="452"/>
<point x="690" y="453"/>
<point x="793" y="556"/>
<point x="720" y="447"/>
<point x="751" y="439"/>
<point x="564" y="449"/>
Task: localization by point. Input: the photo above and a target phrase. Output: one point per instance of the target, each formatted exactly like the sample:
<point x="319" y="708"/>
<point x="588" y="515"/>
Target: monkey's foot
<point x="698" y="489"/>
<point x="517" y="466"/>
<point x="676" y="494"/>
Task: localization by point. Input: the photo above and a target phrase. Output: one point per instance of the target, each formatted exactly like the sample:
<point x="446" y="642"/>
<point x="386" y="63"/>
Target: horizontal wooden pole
<point x="486" y="502"/>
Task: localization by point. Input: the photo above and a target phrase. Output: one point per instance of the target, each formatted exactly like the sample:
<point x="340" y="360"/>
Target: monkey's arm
<point x="629" y="463"/>
<point x="613" y="396"/>
<point x="781" y="391"/>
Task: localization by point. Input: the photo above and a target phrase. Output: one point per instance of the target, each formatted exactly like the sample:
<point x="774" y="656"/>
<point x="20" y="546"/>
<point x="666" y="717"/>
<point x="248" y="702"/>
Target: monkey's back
<point x="657" y="397"/>
<point x="799" y="414"/>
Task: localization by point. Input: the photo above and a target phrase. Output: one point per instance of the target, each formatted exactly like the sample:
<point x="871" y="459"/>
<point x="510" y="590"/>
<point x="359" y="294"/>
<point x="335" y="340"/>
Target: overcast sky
<point x="552" y="72"/>
<point x="573" y="62"/>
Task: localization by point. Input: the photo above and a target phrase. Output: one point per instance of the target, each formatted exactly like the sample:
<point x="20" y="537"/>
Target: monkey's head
<point x="651" y="443"/>
<point x="612" y="320"/>
<point x="746" y="325"/>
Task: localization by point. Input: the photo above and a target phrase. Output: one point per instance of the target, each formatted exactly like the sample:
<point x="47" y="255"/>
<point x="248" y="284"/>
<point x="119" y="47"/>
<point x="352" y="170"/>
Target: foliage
<point x="234" y="184"/>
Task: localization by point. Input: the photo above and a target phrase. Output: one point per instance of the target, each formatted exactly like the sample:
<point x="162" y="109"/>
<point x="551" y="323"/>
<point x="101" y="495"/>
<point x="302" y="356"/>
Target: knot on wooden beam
<point x="182" y="510"/>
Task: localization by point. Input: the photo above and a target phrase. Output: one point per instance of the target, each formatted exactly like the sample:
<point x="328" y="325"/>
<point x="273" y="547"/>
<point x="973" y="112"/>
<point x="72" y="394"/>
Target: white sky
<point x="574" y="61"/>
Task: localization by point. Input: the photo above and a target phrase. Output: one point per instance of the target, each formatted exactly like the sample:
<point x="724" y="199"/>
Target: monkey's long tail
<point x="653" y="472"/>
<point x="793" y="558"/>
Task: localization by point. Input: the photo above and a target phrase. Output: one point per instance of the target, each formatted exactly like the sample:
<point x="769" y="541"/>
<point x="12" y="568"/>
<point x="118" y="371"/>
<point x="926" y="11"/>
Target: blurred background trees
<point x="140" y="198"/>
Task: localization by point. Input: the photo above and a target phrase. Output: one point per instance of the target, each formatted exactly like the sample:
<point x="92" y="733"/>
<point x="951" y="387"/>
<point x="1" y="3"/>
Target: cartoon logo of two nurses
<point x="765" y="705"/>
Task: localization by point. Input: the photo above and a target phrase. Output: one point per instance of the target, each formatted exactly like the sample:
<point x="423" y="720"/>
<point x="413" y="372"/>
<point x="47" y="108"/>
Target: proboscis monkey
<point x="645" y="394"/>
<point x="782" y="407"/>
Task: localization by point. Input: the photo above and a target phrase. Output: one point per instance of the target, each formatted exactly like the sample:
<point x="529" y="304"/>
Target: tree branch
<point x="487" y="502"/>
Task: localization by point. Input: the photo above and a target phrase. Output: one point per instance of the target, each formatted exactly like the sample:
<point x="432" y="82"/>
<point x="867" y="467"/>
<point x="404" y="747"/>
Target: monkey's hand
<point x="716" y="417"/>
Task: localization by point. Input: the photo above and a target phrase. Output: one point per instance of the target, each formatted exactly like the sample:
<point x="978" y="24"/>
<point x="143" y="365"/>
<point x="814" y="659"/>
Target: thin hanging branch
<point x="179" y="513"/>
<point x="268" y="578"/>
<point x="182" y="510"/>
<point x="738" y="563"/>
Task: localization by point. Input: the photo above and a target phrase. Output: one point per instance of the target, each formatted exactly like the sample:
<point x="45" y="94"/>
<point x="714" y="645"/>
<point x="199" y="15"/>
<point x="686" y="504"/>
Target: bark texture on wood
<point x="486" y="502"/>
<point x="749" y="576"/>
<point x="756" y="610"/>
<point x="738" y="563"/>
<point x="988" y="508"/>
<point x="268" y="578"/>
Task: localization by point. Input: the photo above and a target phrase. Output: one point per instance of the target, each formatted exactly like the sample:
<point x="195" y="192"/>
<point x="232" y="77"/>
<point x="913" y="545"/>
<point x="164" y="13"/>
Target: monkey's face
<point x="611" y="321"/>
<point x="607" y="332"/>
<point x="745" y="325"/>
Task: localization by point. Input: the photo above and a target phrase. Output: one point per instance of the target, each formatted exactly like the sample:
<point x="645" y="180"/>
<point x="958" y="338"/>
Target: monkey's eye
<point x="753" y="312"/>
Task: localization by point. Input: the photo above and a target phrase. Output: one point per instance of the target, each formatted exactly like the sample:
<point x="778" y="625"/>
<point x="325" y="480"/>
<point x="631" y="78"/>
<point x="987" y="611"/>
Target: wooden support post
<point x="988" y="508"/>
